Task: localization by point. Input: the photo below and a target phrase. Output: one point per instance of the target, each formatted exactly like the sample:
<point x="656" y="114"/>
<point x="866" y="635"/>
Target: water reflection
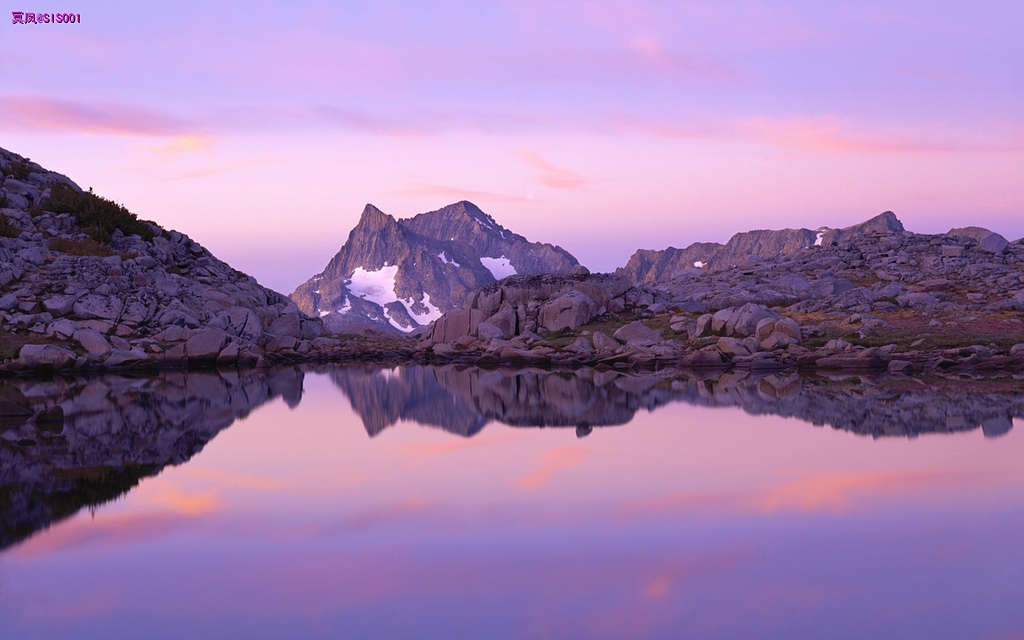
<point x="118" y="430"/>
<point x="463" y="400"/>
<point x="114" y="432"/>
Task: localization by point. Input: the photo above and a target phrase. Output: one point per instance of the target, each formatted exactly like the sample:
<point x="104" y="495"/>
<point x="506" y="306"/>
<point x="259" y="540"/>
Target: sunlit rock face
<point x="400" y="275"/>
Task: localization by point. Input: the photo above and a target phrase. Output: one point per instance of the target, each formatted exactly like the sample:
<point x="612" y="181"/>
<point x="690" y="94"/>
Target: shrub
<point x="97" y="216"/>
<point x="86" y="247"/>
<point x="19" y="170"/>
<point x="8" y="230"/>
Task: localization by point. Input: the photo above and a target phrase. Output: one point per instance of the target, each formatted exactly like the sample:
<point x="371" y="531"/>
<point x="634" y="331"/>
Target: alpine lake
<point x="454" y="502"/>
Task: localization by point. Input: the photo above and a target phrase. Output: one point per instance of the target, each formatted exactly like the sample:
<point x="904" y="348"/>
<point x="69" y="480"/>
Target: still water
<point x="430" y="503"/>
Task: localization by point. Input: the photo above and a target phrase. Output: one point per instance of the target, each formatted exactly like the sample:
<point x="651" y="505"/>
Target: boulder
<point x="92" y="341"/>
<point x="101" y="307"/>
<point x="703" y="358"/>
<point x="744" y="321"/>
<point x="45" y="355"/>
<point x="703" y="327"/>
<point x="487" y="331"/>
<point x="604" y="342"/>
<point x="206" y="344"/>
<point x="988" y="241"/>
<point x="243" y="322"/>
<point x="570" y="310"/>
<point x="580" y="345"/>
<point x="59" y="305"/>
<point x="917" y="300"/>
<point x="778" y="340"/>
<point x="505" y="320"/>
<point x="636" y="332"/>
<point x="720" y="320"/>
<point x="732" y="347"/>
<point x="126" y="358"/>
<point x="454" y="324"/>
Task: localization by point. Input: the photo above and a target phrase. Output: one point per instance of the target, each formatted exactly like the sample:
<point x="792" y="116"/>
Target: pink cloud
<point x="44" y="114"/>
<point x="831" y="134"/>
<point x="457" y="193"/>
<point x="550" y="175"/>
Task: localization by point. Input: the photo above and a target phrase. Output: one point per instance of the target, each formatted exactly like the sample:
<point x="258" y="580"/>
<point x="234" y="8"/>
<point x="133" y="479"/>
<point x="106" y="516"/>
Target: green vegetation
<point x="86" y="247"/>
<point x="8" y="230"/>
<point x="97" y="216"/>
<point x="19" y="170"/>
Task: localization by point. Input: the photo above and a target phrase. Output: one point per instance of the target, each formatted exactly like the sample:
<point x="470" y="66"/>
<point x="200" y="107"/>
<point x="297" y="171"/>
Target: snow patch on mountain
<point x="499" y="267"/>
<point x="445" y="260"/>
<point x="374" y="286"/>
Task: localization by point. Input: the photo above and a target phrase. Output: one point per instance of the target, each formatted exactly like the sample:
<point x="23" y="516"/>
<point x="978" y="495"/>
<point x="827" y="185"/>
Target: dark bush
<point x="97" y="216"/>
<point x="8" y="230"/>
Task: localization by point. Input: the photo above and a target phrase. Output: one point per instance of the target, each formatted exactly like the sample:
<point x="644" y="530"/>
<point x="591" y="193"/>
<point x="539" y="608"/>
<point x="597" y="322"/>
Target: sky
<point x="261" y="129"/>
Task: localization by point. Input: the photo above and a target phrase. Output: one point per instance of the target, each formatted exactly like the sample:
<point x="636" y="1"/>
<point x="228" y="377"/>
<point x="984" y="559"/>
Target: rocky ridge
<point x="743" y="248"/>
<point x="78" y="291"/>
<point x="872" y="296"/>
<point x="400" y="275"/>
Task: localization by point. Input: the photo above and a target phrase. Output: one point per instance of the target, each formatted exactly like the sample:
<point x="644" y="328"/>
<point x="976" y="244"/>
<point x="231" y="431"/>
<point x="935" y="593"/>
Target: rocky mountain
<point x="85" y="283"/>
<point x="401" y="274"/>
<point x="651" y="266"/>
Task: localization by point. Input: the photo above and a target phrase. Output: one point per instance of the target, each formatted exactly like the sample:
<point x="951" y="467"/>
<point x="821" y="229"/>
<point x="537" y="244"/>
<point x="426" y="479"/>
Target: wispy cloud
<point x="550" y="175"/>
<point x="458" y="193"/>
<point x="44" y="114"/>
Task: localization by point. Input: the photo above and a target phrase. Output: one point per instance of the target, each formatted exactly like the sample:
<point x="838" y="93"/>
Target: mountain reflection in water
<point x="118" y="430"/>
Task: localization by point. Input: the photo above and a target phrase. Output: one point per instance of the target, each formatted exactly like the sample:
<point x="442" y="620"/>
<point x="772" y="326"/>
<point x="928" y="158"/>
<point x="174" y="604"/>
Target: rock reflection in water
<point x="463" y="400"/>
<point x="116" y="431"/>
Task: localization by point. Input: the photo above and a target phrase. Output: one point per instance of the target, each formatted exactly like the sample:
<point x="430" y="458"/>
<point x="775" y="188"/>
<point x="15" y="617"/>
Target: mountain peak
<point x="373" y="218"/>
<point x="886" y="221"/>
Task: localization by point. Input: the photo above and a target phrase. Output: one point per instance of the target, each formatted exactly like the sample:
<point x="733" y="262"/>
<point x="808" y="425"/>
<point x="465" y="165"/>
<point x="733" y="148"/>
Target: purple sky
<point x="261" y="129"/>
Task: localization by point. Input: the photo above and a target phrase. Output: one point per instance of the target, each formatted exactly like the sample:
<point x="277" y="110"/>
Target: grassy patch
<point x="19" y="170"/>
<point x="8" y="230"/>
<point x="97" y="216"/>
<point x="86" y="247"/>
